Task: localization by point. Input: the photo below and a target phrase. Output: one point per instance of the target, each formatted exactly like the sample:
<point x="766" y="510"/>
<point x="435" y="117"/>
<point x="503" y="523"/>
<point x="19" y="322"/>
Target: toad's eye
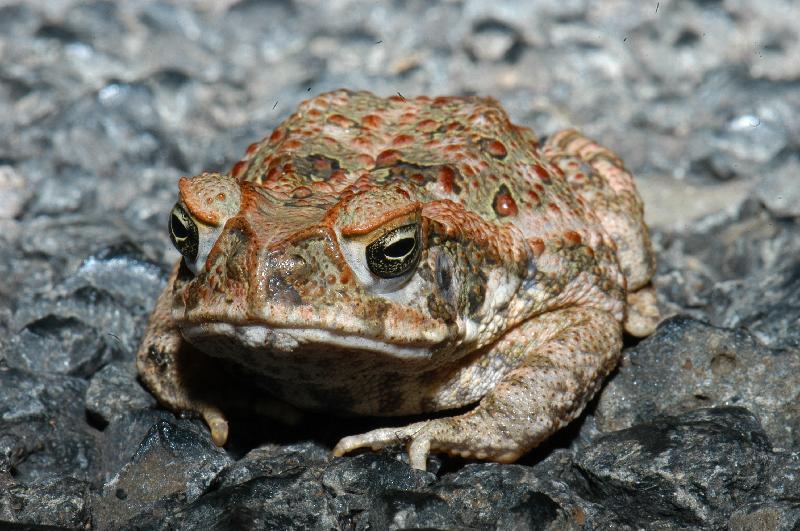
<point x="183" y="233"/>
<point x="395" y="253"/>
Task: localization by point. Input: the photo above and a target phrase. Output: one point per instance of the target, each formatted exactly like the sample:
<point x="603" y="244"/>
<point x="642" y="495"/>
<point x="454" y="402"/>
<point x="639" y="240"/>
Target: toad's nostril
<point x="293" y="268"/>
<point x="280" y="290"/>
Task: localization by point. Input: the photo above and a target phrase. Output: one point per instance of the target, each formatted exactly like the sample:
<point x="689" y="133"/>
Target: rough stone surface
<point x="690" y="471"/>
<point x="106" y="104"/>
<point x="779" y="190"/>
<point x="688" y="364"/>
<point x="55" y="504"/>
<point x="173" y="465"/>
<point x="42" y="428"/>
<point x="113" y="391"/>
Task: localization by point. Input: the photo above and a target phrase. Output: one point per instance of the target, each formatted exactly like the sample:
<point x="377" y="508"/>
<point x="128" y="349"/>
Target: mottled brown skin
<point x="531" y="260"/>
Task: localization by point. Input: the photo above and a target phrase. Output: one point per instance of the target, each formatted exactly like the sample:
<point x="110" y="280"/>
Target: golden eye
<point x="396" y="253"/>
<point x="183" y="233"/>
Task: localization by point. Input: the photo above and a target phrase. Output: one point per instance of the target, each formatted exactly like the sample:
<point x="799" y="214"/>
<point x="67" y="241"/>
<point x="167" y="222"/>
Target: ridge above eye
<point x="396" y="253"/>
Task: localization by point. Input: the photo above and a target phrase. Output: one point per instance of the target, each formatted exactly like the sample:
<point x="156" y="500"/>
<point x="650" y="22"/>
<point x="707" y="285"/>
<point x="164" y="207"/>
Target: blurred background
<point x="103" y="104"/>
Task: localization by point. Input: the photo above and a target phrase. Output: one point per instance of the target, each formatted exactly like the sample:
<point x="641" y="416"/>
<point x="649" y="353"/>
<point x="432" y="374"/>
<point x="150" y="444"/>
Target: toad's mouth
<point x="290" y="340"/>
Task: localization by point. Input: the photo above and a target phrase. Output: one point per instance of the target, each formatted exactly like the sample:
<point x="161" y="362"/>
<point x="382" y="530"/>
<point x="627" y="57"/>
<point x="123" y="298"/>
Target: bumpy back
<point x="600" y="178"/>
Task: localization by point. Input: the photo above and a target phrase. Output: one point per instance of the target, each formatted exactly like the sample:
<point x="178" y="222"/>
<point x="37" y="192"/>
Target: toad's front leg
<point x="173" y="370"/>
<point x="567" y="353"/>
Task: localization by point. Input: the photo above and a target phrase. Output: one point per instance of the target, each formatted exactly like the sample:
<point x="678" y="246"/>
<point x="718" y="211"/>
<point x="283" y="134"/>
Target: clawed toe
<point x="419" y="446"/>
<point x="217" y="424"/>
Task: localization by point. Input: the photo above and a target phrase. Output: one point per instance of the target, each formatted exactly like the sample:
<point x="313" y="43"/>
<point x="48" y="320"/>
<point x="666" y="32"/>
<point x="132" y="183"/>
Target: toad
<point x="392" y="256"/>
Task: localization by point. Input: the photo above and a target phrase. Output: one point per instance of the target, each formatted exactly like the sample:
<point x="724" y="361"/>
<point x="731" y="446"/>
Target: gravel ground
<point x="103" y="105"/>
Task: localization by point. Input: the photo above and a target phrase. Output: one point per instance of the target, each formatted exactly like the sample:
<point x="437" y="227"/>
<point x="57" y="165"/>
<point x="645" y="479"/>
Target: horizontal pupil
<point x="394" y="254"/>
<point x="400" y="248"/>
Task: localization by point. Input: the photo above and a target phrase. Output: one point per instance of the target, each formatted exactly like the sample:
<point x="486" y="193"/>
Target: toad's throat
<point x="288" y="340"/>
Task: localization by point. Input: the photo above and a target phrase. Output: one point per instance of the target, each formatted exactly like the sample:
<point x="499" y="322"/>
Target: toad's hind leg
<point x="599" y="177"/>
<point x="565" y="355"/>
<point x="164" y="362"/>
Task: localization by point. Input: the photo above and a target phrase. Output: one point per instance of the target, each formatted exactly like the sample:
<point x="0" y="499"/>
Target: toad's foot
<point x="642" y="316"/>
<point x="217" y="423"/>
<point x="453" y="436"/>
<point x="564" y="356"/>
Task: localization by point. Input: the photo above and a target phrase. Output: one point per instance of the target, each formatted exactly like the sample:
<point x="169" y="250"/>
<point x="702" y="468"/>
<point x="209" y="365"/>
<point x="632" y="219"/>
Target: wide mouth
<point x="257" y="337"/>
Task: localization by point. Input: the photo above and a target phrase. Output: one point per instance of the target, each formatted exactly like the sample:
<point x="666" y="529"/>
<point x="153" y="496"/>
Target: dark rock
<point x="113" y="391"/>
<point x="779" y="507"/>
<point x="273" y="461"/>
<point x="766" y="304"/>
<point x="783" y="474"/>
<point x="480" y="496"/>
<point x="174" y="465"/>
<point x="93" y="317"/>
<point x="57" y="345"/>
<point x="777" y="515"/>
<point x="123" y="436"/>
<point x="296" y="487"/>
<point x="688" y="364"/>
<point x="688" y="471"/>
<point x="44" y="433"/>
<point x="267" y="489"/>
<point x="365" y="488"/>
<point x="62" y="503"/>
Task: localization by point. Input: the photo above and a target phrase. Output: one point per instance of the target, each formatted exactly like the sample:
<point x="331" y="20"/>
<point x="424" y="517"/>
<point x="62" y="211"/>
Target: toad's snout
<point x="281" y="276"/>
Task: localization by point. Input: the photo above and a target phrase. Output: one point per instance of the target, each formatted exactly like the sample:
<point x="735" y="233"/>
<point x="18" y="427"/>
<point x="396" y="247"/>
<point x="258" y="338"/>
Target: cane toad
<point x="393" y="256"/>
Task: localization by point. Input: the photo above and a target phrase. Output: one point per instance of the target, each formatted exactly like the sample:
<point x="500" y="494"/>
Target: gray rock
<point x="113" y="391"/>
<point x="55" y="344"/>
<point x="62" y="503"/>
<point x="736" y="268"/>
<point x="688" y="471"/>
<point x="746" y="142"/>
<point x="44" y="433"/>
<point x="494" y="41"/>
<point x="174" y="465"/>
<point x="13" y="192"/>
<point x="766" y="304"/>
<point x="688" y="364"/>
<point x="93" y="317"/>
<point x="780" y="189"/>
<point x="776" y="515"/>
<point x="731" y="245"/>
